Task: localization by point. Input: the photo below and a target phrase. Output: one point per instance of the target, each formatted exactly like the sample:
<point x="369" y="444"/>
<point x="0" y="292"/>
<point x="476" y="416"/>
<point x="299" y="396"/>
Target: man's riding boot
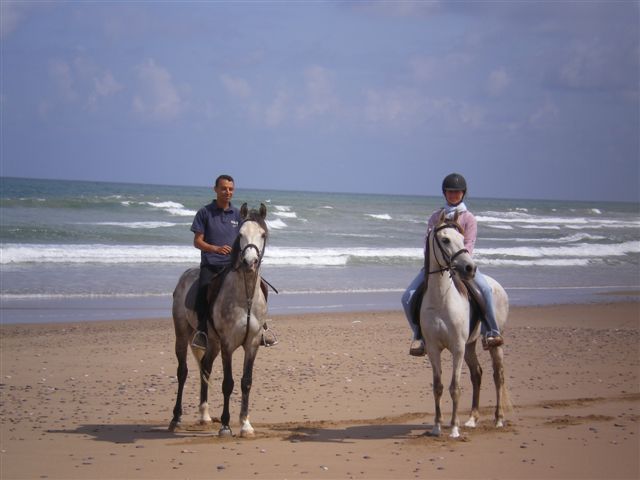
<point x="269" y="338"/>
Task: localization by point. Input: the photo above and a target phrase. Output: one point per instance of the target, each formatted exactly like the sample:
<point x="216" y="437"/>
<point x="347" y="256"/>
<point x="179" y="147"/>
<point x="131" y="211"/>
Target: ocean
<point x="76" y="251"/>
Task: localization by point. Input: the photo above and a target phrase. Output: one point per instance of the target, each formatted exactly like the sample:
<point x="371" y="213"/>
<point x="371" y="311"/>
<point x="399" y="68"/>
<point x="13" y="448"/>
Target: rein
<point x="246" y="285"/>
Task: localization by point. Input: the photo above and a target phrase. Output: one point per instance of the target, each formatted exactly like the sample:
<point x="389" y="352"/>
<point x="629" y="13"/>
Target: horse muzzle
<point x="251" y="257"/>
<point x="465" y="268"/>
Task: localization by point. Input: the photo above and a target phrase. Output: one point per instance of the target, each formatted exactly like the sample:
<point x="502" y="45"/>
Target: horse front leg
<point x="454" y="390"/>
<point x="183" y="370"/>
<point x="502" y="396"/>
<point x="475" y="371"/>
<point x="247" y="379"/>
<point x="227" y="389"/>
<point x="438" y="388"/>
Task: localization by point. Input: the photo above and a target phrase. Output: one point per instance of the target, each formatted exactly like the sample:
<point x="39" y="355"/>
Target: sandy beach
<point x="339" y="397"/>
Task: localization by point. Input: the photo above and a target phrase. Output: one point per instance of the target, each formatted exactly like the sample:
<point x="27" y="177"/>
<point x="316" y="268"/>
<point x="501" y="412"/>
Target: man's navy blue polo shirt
<point x="220" y="227"/>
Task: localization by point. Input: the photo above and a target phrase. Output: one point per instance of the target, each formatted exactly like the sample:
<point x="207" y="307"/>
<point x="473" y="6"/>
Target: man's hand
<point x="224" y="250"/>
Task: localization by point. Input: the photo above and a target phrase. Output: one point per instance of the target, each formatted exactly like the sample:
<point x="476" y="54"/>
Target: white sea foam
<point x="173" y="208"/>
<point x="136" y="225"/>
<point x="286" y="214"/>
<point x="576" y="254"/>
<point x="382" y="216"/>
<point x="582" y="250"/>
<point x="276" y="224"/>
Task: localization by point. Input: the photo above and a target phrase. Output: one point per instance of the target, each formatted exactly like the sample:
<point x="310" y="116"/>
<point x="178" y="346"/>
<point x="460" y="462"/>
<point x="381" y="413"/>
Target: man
<point x="215" y="228"/>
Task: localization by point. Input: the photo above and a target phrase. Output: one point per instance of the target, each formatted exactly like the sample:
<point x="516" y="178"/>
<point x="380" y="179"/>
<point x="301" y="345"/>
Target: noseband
<point x="448" y="260"/>
<point x="255" y="247"/>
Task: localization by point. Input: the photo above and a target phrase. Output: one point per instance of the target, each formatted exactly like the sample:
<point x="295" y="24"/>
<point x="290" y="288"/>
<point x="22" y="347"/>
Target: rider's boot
<point x="491" y="336"/>
<point x="417" y="348"/>
<point x="269" y="338"/>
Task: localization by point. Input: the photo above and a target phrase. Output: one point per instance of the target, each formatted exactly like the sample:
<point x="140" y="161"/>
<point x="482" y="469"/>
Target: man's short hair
<point x="228" y="178"/>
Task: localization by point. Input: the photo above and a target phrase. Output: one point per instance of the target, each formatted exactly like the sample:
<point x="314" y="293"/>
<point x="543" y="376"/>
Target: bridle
<point x="248" y="290"/>
<point x="448" y="259"/>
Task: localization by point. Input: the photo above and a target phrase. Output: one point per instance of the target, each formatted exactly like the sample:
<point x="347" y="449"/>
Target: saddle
<point x="477" y="310"/>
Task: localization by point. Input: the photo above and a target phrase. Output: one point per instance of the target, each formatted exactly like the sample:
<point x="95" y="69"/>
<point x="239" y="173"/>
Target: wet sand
<point x="339" y="397"/>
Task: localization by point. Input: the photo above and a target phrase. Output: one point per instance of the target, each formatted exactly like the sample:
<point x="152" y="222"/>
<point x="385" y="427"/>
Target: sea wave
<point x="135" y="225"/>
<point x="578" y="254"/>
<point x="170" y="207"/>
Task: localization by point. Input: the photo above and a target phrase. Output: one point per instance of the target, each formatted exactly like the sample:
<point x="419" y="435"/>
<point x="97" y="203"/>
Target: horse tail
<point x="507" y="404"/>
<point x="198" y="355"/>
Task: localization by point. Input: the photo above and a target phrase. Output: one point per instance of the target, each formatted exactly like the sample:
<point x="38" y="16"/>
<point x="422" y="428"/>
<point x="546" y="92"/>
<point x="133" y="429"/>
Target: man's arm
<point x="200" y="244"/>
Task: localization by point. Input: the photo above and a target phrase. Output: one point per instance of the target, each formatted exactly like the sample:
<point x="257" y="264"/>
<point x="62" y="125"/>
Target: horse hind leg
<point x="475" y="371"/>
<point x="182" y="372"/>
<point x="502" y="395"/>
<point x="205" y="376"/>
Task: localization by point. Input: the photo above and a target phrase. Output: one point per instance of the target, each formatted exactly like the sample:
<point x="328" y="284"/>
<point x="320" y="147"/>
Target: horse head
<point x="447" y="248"/>
<point x="249" y="246"/>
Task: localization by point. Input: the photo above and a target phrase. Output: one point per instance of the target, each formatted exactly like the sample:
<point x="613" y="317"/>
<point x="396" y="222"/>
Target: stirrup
<point x="200" y="340"/>
<point x="491" y="341"/>
<point x="417" y="348"/>
<point x="269" y="338"/>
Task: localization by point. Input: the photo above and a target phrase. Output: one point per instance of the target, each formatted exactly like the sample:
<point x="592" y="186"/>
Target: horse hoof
<point x="455" y="432"/>
<point x="225" y="432"/>
<point x="499" y="423"/>
<point x="435" y="431"/>
<point x="173" y="425"/>
<point x="471" y="423"/>
<point x="247" y="433"/>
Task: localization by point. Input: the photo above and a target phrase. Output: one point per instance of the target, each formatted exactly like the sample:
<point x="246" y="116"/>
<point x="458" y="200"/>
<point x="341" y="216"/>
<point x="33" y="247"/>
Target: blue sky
<point x="526" y="99"/>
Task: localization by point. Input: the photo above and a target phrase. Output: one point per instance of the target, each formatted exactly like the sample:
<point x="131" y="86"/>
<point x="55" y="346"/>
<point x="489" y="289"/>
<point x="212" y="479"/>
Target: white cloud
<point x="276" y="112"/>
<point x="237" y="87"/>
<point x="498" y="81"/>
<point x="392" y="106"/>
<point x="62" y="74"/>
<point x="320" y="96"/>
<point x="544" y="114"/>
<point x="427" y="67"/>
<point x="106" y="84"/>
<point x="158" y="98"/>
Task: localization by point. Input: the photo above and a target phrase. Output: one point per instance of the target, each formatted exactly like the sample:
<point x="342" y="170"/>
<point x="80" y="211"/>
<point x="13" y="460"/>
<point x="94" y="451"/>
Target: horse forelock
<point x="254" y="216"/>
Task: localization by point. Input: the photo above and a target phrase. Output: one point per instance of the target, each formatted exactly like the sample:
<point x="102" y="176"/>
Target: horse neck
<point x="244" y="284"/>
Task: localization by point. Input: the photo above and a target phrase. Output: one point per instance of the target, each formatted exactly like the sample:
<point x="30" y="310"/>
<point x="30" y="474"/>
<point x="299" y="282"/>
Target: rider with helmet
<point x="454" y="189"/>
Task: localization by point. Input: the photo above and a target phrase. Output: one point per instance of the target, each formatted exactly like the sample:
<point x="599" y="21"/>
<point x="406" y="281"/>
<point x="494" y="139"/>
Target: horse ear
<point x="244" y="210"/>
<point x="263" y="211"/>
<point x="442" y="217"/>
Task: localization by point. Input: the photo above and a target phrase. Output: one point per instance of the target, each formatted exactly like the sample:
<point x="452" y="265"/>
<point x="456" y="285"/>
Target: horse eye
<point x="446" y="240"/>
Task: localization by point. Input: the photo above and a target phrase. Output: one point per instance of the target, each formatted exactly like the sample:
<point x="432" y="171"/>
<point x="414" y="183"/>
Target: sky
<point x="527" y="99"/>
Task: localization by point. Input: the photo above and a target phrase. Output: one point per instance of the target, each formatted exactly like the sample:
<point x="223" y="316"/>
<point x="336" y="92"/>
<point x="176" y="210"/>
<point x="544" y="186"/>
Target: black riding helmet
<point x="456" y="182"/>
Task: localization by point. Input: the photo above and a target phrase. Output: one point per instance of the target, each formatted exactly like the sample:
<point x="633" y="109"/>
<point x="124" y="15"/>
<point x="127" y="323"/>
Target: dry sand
<point x="339" y="397"/>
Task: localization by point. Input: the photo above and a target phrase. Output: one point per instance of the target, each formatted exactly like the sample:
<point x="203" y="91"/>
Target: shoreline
<point x="61" y="310"/>
<point x="339" y="397"/>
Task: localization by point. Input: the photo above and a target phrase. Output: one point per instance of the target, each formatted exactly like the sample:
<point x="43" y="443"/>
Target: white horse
<point x="445" y="320"/>
<point x="239" y="314"/>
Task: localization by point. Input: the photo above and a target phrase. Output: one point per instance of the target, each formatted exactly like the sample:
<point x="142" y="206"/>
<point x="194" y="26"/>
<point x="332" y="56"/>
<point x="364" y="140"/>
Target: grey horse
<point x="445" y="322"/>
<point x="239" y="313"/>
